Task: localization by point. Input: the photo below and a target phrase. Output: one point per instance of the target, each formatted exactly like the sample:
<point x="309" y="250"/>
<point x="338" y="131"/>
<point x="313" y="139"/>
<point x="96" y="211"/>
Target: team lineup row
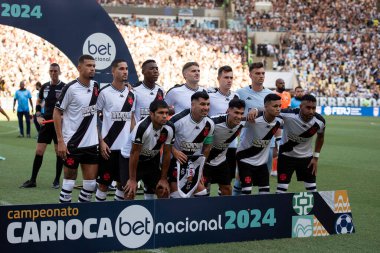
<point x="199" y="144"/>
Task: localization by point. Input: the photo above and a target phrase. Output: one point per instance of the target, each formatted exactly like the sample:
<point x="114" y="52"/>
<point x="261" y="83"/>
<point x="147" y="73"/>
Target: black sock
<point x="58" y="168"/>
<point x="36" y="167"/>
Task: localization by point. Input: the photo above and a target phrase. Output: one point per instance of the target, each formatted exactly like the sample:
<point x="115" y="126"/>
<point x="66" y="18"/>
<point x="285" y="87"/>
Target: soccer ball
<point x="344" y="224"/>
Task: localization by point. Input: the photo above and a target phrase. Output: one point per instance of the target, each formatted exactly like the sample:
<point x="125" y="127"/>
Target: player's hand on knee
<point x="162" y="189"/>
<point x="130" y="189"/>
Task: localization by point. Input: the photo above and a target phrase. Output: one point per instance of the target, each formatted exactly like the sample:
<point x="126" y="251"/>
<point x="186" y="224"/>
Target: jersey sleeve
<point x="138" y="134"/>
<point x="100" y="101"/>
<point x="64" y="99"/>
<point x="41" y="93"/>
<point x="169" y="98"/>
<point x="212" y="128"/>
<point x="171" y="136"/>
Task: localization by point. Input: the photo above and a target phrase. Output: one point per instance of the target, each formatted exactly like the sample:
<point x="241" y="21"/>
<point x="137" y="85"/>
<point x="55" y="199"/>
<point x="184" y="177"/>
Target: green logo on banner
<point x="303" y="202"/>
<point x="302" y="226"/>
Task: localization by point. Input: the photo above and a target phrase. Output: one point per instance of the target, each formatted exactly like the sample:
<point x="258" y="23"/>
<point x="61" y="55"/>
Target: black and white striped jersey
<point x="78" y="103"/>
<point x="144" y="97"/>
<point x="179" y="96"/>
<point x="116" y="107"/>
<point x="223" y="137"/>
<point x="151" y="139"/>
<point x="298" y="135"/>
<point x="189" y="135"/>
<point x="255" y="140"/>
<point x="219" y="102"/>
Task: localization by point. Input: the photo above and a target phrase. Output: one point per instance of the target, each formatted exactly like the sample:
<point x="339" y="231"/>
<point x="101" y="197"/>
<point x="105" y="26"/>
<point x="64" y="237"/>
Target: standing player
<point x="192" y="126"/>
<point x="117" y="104"/>
<point x="147" y="90"/>
<point x="296" y="100"/>
<point x="141" y="155"/>
<point x="296" y="154"/>
<point x="254" y="95"/>
<point x="285" y="96"/>
<point x="252" y="153"/>
<point x="76" y="132"/>
<point x="49" y="94"/>
<point x="179" y="96"/>
<point x="227" y="128"/>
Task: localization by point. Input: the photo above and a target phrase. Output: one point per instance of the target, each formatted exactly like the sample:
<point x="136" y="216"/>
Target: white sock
<point x="100" y="195"/>
<point x="65" y="195"/>
<point x="119" y="195"/>
<point x="88" y="189"/>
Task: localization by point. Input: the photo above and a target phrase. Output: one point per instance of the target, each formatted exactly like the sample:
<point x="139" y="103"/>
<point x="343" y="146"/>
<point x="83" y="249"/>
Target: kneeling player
<point x="252" y="153"/>
<point x="227" y="128"/>
<point x="140" y="158"/>
<point x="192" y="126"/>
<point x="300" y="125"/>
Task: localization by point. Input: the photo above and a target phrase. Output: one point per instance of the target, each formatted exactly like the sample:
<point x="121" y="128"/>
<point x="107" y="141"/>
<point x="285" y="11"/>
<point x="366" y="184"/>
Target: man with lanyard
<point x="77" y="133"/>
<point x="192" y="127"/>
<point x="227" y="128"/>
<point x="116" y="104"/>
<point x="179" y="96"/>
<point x="140" y="158"/>
<point x="49" y="94"/>
<point x="253" y="95"/>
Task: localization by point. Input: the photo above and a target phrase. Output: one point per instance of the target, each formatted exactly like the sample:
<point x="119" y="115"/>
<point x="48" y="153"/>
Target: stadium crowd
<point x="307" y="16"/>
<point x="165" y="3"/>
<point x="341" y="61"/>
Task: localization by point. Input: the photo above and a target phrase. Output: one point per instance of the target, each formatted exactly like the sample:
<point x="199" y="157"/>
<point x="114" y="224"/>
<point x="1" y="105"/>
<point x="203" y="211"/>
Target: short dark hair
<point x="298" y="87"/>
<point x="256" y="65"/>
<point x="156" y="104"/>
<point x="116" y="62"/>
<point x="188" y="65"/>
<point x="55" y="65"/>
<point x="308" y="97"/>
<point x="224" y="69"/>
<point x="147" y="62"/>
<point x="271" y="97"/>
<point x="200" y="94"/>
<point x="85" y="57"/>
<point x="236" y="103"/>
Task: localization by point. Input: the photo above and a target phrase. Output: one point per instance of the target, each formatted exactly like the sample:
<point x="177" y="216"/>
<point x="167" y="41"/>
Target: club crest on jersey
<point x="160" y="95"/>
<point x="96" y="91"/>
<point x="206" y="130"/>
<point x="163" y="137"/>
<point x="130" y="100"/>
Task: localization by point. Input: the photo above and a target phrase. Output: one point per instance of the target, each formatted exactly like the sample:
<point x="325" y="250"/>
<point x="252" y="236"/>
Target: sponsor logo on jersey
<point x="261" y="143"/>
<point x="120" y="116"/>
<point x="88" y="110"/>
<point x="190" y="147"/>
<point x="296" y="138"/>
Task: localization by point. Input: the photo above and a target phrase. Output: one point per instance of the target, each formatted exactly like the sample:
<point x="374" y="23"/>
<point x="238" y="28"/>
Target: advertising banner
<point x="107" y="226"/>
<point x="348" y="111"/>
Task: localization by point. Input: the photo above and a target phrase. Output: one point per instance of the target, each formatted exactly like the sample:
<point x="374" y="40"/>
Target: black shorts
<point x="253" y="175"/>
<point x="286" y="166"/>
<point x="219" y="174"/>
<point x="89" y="155"/>
<point x="148" y="171"/>
<point x="231" y="160"/>
<point x="109" y="170"/>
<point x="47" y="134"/>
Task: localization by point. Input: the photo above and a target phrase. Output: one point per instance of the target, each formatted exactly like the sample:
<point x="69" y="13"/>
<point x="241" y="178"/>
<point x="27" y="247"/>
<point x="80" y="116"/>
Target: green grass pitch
<point x="350" y="160"/>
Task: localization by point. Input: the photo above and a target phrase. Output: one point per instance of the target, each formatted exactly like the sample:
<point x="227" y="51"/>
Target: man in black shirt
<point x="49" y="93"/>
